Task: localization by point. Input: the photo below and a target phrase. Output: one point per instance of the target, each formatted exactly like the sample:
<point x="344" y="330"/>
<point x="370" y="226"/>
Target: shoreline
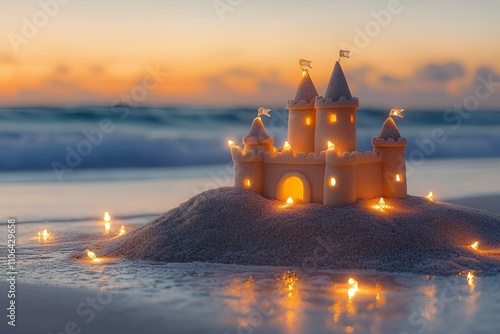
<point x="489" y="203"/>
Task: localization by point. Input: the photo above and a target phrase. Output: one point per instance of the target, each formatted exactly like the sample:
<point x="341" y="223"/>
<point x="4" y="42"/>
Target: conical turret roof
<point x="337" y="86"/>
<point x="389" y="130"/>
<point x="257" y="134"/>
<point x="306" y="90"/>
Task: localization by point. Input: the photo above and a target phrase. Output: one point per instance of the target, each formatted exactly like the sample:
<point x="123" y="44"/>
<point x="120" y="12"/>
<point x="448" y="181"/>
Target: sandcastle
<point x="319" y="162"/>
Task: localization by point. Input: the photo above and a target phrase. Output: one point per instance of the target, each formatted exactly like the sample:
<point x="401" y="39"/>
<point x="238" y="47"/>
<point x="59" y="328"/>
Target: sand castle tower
<point x="339" y="184"/>
<point x="302" y="116"/>
<point x="336" y="115"/>
<point x="391" y="147"/>
<point x="249" y="168"/>
<point x="321" y="163"/>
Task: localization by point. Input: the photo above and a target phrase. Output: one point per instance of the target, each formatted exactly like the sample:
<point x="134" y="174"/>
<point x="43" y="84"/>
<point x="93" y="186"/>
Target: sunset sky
<point x="420" y="53"/>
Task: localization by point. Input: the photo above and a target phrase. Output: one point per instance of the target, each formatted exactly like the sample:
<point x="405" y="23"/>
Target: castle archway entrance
<point x="294" y="185"/>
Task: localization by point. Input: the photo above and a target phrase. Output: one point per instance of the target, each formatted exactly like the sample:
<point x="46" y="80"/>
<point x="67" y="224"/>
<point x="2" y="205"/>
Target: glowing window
<point x="332" y="118"/>
<point x="352" y="118"/>
<point x="247" y="183"/>
<point x="332" y="182"/>
<point x="398" y="178"/>
<point x="308" y="120"/>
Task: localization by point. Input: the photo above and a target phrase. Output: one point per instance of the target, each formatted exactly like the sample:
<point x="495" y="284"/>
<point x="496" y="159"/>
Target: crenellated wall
<point x="369" y="180"/>
<point x="351" y="176"/>
<point x="328" y="177"/>
<point x="248" y="170"/>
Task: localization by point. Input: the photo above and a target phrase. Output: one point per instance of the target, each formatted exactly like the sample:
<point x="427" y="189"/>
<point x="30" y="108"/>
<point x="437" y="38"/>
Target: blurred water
<point x="35" y="138"/>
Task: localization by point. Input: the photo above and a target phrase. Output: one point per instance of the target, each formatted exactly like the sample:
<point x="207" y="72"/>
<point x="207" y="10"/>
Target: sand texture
<point x="229" y="225"/>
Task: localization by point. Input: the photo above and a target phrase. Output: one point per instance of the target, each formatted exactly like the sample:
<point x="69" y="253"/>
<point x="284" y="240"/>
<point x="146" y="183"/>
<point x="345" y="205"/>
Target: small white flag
<point x="396" y="112"/>
<point x="264" y="111"/>
<point x="304" y="63"/>
<point x="344" y="53"/>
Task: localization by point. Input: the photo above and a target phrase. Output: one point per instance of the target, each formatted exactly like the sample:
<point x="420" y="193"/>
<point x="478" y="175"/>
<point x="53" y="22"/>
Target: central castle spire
<point x="338" y="87"/>
<point x="336" y="115"/>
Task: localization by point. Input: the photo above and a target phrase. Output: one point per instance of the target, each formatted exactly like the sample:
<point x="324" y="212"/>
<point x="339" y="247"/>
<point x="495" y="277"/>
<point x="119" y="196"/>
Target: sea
<point x="61" y="169"/>
<point x="34" y="139"/>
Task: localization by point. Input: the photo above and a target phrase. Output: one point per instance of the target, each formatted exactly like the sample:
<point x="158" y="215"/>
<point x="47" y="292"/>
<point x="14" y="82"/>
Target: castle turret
<point x="391" y="147"/>
<point x="248" y="162"/>
<point x="257" y="140"/>
<point x="302" y="116"/>
<point x="336" y="115"/>
<point x="339" y="185"/>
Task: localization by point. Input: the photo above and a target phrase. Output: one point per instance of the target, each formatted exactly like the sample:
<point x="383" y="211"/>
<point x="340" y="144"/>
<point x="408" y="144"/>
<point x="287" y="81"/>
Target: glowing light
<point x="331" y="146"/>
<point x="43" y="235"/>
<point x="352" y="118"/>
<point x="475" y="245"/>
<point x="308" y="120"/>
<point x="333" y="182"/>
<point x="470" y="280"/>
<point x="398" y="178"/>
<point x="231" y="143"/>
<point x="396" y="112"/>
<point x="107" y="227"/>
<point x="289" y="201"/>
<point x="106" y="217"/>
<point x="430" y="196"/>
<point x="332" y="118"/>
<point x="247" y="183"/>
<point x="122" y="231"/>
<point x="351" y="292"/>
<point x="92" y="256"/>
<point x="287" y="146"/>
<point x="381" y="204"/>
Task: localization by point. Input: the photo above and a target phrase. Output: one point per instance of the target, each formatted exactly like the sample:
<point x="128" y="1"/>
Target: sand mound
<point x="229" y="225"/>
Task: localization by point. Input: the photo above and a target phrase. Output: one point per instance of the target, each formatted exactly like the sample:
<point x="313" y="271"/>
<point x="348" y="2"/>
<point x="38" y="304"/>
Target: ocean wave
<point x="40" y="151"/>
<point x="38" y="138"/>
<point x="201" y="117"/>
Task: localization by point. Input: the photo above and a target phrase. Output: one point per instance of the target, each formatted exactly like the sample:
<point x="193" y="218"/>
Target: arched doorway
<point x="294" y="185"/>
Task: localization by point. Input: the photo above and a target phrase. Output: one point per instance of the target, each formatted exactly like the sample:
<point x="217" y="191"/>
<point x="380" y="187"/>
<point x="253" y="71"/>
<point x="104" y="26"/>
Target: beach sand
<point x="203" y="298"/>
<point x="236" y="226"/>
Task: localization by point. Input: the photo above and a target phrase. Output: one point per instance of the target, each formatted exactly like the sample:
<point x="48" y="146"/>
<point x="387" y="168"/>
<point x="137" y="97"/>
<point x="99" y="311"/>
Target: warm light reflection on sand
<point x="289" y="286"/>
<point x="350" y="297"/>
<point x="429" y="311"/>
<point x="470" y="280"/>
<point x="42" y="236"/>
<point x="242" y="296"/>
<point x="346" y="302"/>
